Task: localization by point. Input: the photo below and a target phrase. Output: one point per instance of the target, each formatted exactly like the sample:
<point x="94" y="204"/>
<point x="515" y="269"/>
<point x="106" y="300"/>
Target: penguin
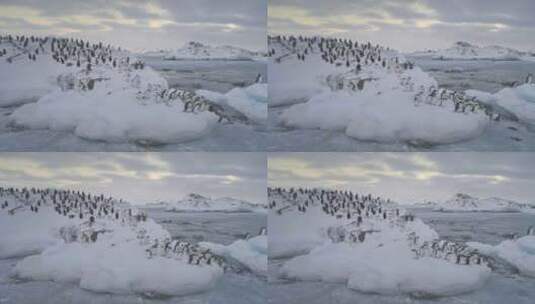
<point x="529" y="79"/>
<point x="259" y="78"/>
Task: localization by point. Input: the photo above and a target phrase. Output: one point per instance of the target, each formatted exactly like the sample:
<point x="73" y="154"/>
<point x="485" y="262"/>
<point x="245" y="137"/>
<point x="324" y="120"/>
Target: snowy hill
<point x="465" y="51"/>
<point x="369" y="92"/>
<point x="367" y="244"/>
<point x="465" y="202"/>
<point x="198" y="51"/>
<point x="99" y="243"/>
<point x="194" y="202"/>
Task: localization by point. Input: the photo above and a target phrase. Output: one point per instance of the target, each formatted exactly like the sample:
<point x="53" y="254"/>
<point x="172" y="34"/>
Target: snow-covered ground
<point x="74" y="103"/>
<point x="97" y="244"/>
<point x="309" y="112"/>
<point x="198" y="51"/>
<point x="194" y="202"/>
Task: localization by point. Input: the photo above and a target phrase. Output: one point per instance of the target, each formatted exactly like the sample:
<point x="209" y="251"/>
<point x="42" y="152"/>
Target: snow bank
<point x="518" y="101"/>
<point x="519" y="253"/>
<point x="111" y="112"/>
<point x="252" y="252"/>
<point x="251" y="101"/>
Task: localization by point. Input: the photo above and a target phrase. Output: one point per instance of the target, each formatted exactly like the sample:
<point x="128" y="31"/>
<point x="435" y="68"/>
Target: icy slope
<point x="518" y="101"/>
<point x="465" y="51"/>
<point x="198" y="51"/>
<point x="197" y="203"/>
<point x="465" y="202"/>
<point x="368" y="244"/>
<point x="370" y="93"/>
<point x="520" y="253"/>
<point x="251" y="252"/>
<point x="99" y="243"/>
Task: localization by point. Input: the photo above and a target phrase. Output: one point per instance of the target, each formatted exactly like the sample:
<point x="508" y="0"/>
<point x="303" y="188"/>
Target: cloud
<point x="137" y="24"/>
<point x="409" y="24"/>
<point x="409" y="177"/>
<point x="141" y="177"/>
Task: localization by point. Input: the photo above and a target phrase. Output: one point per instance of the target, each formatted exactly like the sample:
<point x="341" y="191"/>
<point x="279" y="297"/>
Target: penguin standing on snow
<point x="529" y="79"/>
<point x="259" y="78"/>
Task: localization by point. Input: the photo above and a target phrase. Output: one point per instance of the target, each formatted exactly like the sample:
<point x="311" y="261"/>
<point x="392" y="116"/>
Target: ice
<point x="345" y="241"/>
<point x="101" y="253"/>
<point x="520" y="253"/>
<point x="518" y="101"/>
<point x="113" y="112"/>
<point x="250" y="101"/>
<point x="117" y="268"/>
<point x="252" y="253"/>
<point x="385" y="268"/>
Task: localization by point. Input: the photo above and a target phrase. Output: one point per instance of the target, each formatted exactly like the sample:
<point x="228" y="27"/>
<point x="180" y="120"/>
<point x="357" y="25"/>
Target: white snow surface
<point x="252" y="253"/>
<point x="520" y="253"/>
<point x="518" y="101"/>
<point x="194" y="202"/>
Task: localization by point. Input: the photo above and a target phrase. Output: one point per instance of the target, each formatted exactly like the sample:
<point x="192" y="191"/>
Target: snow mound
<point x="518" y="101"/>
<point x="385" y="268"/>
<point x="251" y="101"/>
<point x="520" y="253"/>
<point x="112" y="111"/>
<point x="370" y="93"/>
<point x="367" y="243"/>
<point x="100" y="244"/>
<point x="252" y="253"/>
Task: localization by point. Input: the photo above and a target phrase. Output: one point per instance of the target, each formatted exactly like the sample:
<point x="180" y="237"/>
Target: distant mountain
<point x="194" y="202"/>
<point x="198" y="51"/>
<point x="462" y="50"/>
<point x="465" y="202"/>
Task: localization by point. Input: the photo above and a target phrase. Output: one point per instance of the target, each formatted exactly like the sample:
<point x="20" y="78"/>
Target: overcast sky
<point x="141" y="24"/>
<point x="141" y="177"/>
<point x="410" y="177"/>
<point x="409" y="25"/>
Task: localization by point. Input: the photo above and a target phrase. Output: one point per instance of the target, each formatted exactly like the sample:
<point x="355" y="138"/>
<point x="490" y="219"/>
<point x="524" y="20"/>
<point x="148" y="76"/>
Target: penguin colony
<point x="87" y="57"/>
<point x="360" y="209"/>
<point x="356" y="56"/>
<point x="91" y="209"/>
